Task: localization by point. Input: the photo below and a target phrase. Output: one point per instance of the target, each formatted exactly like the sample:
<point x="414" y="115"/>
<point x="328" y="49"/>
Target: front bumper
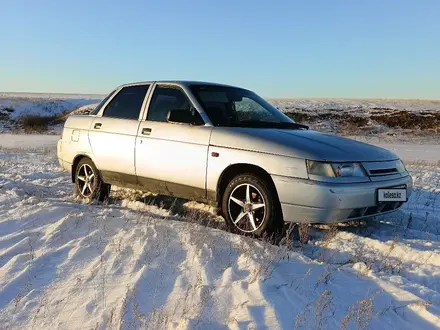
<point x="306" y="201"/>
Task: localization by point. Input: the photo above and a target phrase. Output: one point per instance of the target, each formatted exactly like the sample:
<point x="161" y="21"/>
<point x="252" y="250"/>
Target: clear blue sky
<point x="278" y="48"/>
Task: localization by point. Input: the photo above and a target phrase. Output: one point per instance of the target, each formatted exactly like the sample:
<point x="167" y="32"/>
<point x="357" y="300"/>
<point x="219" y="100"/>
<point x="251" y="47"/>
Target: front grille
<point x="400" y="186"/>
<point x="384" y="171"/>
<point x="379" y="171"/>
<point x="374" y="210"/>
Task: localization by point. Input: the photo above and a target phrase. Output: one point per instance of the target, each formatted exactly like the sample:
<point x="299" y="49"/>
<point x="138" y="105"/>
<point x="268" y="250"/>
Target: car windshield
<point x="237" y="107"/>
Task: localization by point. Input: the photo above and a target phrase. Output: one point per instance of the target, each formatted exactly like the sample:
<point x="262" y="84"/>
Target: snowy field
<point x="386" y="119"/>
<point x="131" y="265"/>
<point x="43" y="104"/>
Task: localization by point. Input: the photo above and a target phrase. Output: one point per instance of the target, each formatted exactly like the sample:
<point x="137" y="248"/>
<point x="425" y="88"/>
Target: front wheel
<point x="250" y="206"/>
<point x="88" y="182"/>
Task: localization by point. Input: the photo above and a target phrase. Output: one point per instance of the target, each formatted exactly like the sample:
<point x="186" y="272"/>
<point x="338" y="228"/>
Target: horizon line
<point x="267" y="98"/>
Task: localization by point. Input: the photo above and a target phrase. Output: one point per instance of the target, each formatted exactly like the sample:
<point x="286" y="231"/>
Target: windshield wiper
<point x="291" y="125"/>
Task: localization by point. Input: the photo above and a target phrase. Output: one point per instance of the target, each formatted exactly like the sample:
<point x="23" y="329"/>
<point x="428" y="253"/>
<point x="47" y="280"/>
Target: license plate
<point x="391" y="195"/>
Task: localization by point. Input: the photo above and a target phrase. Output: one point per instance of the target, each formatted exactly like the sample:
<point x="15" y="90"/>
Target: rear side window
<point x="100" y="105"/>
<point x="127" y="103"/>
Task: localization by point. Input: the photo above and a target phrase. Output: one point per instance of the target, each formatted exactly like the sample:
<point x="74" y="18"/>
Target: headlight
<point x="335" y="169"/>
<point x="400" y="166"/>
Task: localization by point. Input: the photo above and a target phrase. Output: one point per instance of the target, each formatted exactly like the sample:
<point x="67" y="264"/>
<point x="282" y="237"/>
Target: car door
<point x="113" y="132"/>
<point x="171" y="158"/>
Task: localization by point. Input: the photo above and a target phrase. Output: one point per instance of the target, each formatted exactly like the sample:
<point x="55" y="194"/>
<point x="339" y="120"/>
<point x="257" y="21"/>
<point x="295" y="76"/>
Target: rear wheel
<point x="88" y="182"/>
<point x="250" y="206"/>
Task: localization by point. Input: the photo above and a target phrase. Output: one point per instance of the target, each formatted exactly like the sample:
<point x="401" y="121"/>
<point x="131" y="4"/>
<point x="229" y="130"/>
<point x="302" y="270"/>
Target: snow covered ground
<point x="357" y="105"/>
<point x="43" y="104"/>
<point x="372" y="118"/>
<point x="130" y="265"/>
<point x="31" y="142"/>
<point x="14" y="107"/>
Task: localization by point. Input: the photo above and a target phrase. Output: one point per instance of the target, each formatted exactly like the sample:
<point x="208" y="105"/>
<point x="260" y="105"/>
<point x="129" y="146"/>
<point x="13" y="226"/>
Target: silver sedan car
<point x="227" y="146"/>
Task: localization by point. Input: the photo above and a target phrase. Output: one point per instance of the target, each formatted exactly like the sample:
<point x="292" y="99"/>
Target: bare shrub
<point x="328" y="238"/>
<point x="361" y="313"/>
<point x="408" y="120"/>
<point x="304" y="233"/>
<point x="5" y="113"/>
<point x="34" y="123"/>
<point x="379" y="261"/>
<point x="307" y="117"/>
<point x="324" y="278"/>
<point x="322" y="310"/>
<point x="353" y="123"/>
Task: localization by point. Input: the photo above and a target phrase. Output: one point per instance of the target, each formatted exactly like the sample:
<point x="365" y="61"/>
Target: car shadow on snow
<point x="417" y="219"/>
<point x="175" y="208"/>
<point x="402" y="223"/>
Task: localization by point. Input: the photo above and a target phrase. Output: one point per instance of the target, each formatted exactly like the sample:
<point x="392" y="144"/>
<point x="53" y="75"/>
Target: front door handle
<point x="146" y="131"/>
<point x="97" y="126"/>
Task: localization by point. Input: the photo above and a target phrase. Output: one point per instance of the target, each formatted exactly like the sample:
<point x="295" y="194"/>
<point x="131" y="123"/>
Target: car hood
<point x="305" y="144"/>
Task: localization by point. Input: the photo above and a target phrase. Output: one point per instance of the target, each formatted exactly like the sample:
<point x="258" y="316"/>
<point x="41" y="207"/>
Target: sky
<point x="277" y="48"/>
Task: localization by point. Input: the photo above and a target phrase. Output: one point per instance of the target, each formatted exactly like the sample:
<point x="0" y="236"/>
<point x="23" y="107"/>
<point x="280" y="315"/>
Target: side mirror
<point x="184" y="117"/>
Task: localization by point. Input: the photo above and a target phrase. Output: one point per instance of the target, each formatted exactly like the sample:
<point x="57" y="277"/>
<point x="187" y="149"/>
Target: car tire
<point x="250" y="206"/>
<point x="88" y="182"/>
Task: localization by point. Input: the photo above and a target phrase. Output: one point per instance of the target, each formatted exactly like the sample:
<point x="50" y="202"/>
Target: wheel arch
<point x="241" y="168"/>
<point x="75" y="163"/>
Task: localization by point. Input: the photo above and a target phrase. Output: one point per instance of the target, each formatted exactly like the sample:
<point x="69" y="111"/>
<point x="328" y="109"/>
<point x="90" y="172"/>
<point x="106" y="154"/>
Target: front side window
<point x="166" y="98"/>
<point x="237" y="107"/>
<point x="127" y="103"/>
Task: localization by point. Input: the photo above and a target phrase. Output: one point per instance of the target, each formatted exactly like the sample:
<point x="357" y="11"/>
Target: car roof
<point x="180" y="82"/>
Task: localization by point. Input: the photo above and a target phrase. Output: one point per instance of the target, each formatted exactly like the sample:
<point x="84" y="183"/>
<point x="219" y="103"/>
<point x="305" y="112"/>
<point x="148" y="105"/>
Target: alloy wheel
<point x="247" y="208"/>
<point x="86" y="180"/>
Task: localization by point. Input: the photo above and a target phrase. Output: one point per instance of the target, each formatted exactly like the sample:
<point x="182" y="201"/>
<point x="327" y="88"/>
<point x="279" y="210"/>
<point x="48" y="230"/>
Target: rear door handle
<point x="97" y="126"/>
<point x="146" y="131"/>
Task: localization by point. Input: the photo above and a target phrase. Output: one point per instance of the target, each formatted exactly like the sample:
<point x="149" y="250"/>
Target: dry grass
<point x="36" y="123"/>
<point x="425" y="120"/>
<point x="361" y="313"/>
<point x="343" y="123"/>
<point x="347" y="123"/>
<point x="316" y="313"/>
<point x="5" y="114"/>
